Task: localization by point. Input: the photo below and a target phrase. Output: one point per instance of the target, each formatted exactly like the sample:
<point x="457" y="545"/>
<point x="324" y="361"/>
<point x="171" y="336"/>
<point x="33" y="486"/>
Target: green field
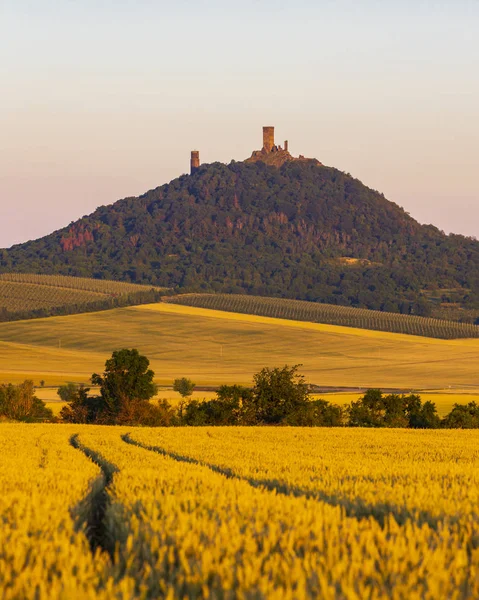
<point x="22" y="293"/>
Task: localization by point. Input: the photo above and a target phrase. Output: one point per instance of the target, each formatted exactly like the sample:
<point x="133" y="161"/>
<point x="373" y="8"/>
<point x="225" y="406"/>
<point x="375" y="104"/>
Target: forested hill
<point x="301" y="231"/>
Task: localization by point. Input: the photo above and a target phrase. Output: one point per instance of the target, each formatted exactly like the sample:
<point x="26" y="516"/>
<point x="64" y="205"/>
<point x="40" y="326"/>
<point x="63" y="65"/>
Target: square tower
<point x="268" y="138"/>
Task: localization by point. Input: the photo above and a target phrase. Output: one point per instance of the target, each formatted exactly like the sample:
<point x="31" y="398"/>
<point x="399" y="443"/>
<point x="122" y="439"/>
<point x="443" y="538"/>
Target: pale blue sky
<point x="105" y="99"/>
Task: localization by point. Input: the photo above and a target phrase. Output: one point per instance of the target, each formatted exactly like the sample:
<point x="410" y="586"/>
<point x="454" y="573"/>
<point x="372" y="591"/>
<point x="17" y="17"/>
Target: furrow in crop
<point x="95" y="505"/>
<point x="355" y="508"/>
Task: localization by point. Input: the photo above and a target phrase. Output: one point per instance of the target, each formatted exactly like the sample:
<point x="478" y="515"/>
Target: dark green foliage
<point x="126" y="381"/>
<point x="393" y="410"/>
<point x="250" y="228"/>
<point x="279" y="393"/>
<point x="316" y="413"/>
<point x="82" y="408"/>
<point x="233" y="405"/>
<point x="126" y="386"/>
<point x="424" y="416"/>
<point x="68" y="392"/>
<point x="279" y="397"/>
<point x="239" y="404"/>
<point x="19" y="403"/>
<point x="184" y="386"/>
<point x="463" y="416"/>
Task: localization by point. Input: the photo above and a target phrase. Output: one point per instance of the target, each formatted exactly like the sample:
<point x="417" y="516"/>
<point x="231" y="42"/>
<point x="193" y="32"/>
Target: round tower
<point x="195" y="160"/>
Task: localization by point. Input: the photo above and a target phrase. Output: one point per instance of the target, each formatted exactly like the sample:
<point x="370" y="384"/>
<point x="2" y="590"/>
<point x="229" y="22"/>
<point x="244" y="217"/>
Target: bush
<point x="184" y="386"/>
<point x="19" y="403"/>
<point x="393" y="410"/>
<point x="463" y="416"/>
<point x="279" y="393"/>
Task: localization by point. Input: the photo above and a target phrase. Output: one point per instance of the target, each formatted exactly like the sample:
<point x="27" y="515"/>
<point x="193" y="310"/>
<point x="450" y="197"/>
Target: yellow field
<point x="213" y="347"/>
<point x="238" y="513"/>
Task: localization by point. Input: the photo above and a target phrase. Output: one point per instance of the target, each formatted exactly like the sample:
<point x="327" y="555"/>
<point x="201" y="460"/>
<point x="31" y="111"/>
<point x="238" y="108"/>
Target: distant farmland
<point x="330" y="314"/>
<point x="30" y="295"/>
<point x="215" y="347"/>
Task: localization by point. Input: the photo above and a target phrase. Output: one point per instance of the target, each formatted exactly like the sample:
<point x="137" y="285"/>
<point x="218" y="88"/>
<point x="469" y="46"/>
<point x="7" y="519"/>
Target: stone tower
<point x="195" y="161"/>
<point x="268" y="138"/>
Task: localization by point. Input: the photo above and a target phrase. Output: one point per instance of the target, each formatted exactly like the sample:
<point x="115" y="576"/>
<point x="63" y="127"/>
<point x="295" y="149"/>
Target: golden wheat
<point x="44" y="552"/>
<point x="240" y="513"/>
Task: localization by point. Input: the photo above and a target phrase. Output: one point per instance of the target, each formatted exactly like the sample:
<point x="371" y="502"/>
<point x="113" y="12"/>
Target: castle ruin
<point x="270" y="153"/>
<point x="195" y="161"/>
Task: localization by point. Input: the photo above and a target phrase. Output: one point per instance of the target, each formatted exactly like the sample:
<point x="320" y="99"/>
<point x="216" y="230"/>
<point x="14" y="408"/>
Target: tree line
<point x="278" y="396"/>
<point x="130" y="299"/>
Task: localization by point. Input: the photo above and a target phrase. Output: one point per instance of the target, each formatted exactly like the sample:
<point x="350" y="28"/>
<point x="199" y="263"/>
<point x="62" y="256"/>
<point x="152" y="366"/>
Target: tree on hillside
<point x="126" y="381"/>
<point x="184" y="387"/>
<point x="279" y="393"/>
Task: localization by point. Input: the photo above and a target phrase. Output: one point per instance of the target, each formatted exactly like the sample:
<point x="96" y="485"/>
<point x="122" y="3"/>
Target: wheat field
<point x="255" y="513"/>
<point x="214" y="347"/>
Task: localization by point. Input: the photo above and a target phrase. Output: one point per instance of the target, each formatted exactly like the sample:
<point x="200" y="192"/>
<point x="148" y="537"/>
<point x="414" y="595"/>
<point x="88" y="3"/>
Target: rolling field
<point x="214" y="347"/>
<point x="331" y="314"/>
<point x="238" y="513"/>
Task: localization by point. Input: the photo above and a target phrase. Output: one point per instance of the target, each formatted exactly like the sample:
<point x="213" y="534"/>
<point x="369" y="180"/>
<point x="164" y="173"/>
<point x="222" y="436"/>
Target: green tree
<point x="184" y="387"/>
<point x="393" y="410"/>
<point x="463" y="416"/>
<point x="81" y="407"/>
<point x="19" y="403"/>
<point x="126" y="381"/>
<point x="278" y="393"/>
<point x="424" y="416"/>
<point x="68" y="392"/>
<point x="368" y="411"/>
<point x="238" y="402"/>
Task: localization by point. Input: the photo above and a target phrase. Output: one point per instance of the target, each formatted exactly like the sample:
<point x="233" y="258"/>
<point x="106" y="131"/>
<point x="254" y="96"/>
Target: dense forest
<point x="300" y="231"/>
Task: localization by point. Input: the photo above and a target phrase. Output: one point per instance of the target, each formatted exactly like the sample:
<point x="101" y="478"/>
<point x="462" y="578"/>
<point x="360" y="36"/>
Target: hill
<point x="301" y="230"/>
<point x="24" y="296"/>
<point x="215" y="347"/>
<point x="331" y="314"/>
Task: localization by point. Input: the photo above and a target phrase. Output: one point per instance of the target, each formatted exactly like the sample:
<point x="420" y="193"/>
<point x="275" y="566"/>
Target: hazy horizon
<point x="105" y="100"/>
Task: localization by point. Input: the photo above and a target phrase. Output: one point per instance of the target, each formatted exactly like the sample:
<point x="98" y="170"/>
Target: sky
<point x="104" y="99"/>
